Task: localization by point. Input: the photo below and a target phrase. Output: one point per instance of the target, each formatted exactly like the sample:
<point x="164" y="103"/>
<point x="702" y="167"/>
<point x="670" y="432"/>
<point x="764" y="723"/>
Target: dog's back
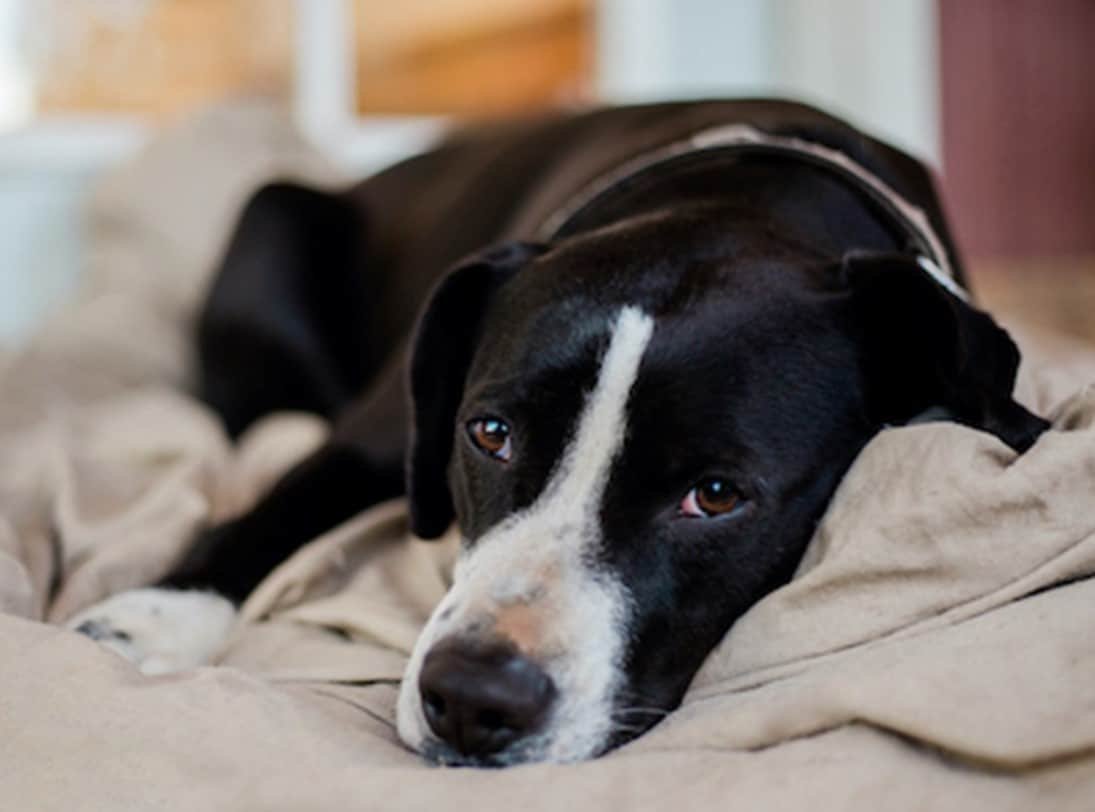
<point x="319" y="289"/>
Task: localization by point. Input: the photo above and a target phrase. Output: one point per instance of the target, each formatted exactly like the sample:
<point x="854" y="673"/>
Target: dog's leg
<point x="160" y="630"/>
<point x="287" y="323"/>
<point x="360" y="466"/>
<point x="286" y="326"/>
<point x="184" y="620"/>
<point x="323" y="491"/>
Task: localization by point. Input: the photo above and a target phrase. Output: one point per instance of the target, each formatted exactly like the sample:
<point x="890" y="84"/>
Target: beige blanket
<point x="935" y="651"/>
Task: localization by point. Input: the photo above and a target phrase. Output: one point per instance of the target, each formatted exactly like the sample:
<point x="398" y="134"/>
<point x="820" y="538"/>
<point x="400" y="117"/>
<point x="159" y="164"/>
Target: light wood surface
<point x="473" y="57"/>
<point x="159" y="59"/>
<point x="163" y="58"/>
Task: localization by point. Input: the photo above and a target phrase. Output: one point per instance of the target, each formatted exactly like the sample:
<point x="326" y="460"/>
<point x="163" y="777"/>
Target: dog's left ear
<point x="444" y="347"/>
<point x="925" y="347"/>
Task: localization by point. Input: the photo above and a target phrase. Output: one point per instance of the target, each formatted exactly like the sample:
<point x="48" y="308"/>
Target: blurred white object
<point x="873" y="62"/>
<point x="324" y="96"/>
<point x="46" y="175"/>
<point x="16" y="96"/>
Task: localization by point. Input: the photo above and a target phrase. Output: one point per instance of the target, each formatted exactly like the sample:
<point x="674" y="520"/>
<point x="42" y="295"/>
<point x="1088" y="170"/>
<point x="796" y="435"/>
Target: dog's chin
<point x="442" y="755"/>
<point x="556" y="745"/>
<point x="535" y="751"/>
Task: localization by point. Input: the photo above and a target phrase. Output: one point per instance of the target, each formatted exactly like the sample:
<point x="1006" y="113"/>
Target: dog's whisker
<point x="616" y="727"/>
<point x="641" y="712"/>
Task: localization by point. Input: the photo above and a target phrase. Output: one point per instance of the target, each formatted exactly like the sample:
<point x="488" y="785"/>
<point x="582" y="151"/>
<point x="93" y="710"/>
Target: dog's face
<point x="636" y="446"/>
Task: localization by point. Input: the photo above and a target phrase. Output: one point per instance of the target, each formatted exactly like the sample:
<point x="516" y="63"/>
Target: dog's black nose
<point x="479" y="697"/>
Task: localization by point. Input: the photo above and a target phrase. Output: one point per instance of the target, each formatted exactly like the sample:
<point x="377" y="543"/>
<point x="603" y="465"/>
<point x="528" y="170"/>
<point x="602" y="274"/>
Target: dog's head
<point x="636" y="442"/>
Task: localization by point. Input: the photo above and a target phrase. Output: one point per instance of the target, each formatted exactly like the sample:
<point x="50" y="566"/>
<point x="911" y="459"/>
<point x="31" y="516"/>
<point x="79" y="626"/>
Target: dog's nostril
<point x="434" y="703"/>
<point x="480" y="697"/>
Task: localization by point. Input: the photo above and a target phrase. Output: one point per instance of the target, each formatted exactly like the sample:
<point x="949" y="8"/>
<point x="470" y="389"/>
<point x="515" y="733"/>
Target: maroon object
<point x="1018" y="103"/>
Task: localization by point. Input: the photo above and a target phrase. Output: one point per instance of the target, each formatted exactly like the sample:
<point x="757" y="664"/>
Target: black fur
<point x="792" y="325"/>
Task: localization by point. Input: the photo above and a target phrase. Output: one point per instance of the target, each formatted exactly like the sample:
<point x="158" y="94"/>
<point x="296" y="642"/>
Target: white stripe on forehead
<point x="562" y="523"/>
<point x="581" y="475"/>
<point x="566" y="510"/>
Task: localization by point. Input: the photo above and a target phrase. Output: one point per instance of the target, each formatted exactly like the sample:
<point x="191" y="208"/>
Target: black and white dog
<point x="678" y="326"/>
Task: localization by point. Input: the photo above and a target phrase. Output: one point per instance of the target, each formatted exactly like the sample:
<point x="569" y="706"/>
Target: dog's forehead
<point x="553" y="319"/>
<point x="747" y="363"/>
<point x="529" y="339"/>
<point x="746" y="348"/>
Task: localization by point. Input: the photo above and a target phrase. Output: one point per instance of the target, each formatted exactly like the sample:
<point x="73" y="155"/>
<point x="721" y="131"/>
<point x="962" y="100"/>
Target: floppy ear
<point x="444" y="346"/>
<point x="926" y="348"/>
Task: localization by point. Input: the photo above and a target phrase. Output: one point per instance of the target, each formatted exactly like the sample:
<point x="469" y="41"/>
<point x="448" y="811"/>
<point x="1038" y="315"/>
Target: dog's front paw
<point x="161" y="630"/>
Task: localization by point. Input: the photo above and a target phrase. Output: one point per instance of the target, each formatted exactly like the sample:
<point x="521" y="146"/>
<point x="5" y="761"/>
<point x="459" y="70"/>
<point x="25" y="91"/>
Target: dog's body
<point x="636" y="408"/>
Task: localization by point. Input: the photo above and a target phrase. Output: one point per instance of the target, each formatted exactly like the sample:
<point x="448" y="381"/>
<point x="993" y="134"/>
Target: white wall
<point x="652" y="49"/>
<point x="41" y="231"/>
<point x="873" y="61"/>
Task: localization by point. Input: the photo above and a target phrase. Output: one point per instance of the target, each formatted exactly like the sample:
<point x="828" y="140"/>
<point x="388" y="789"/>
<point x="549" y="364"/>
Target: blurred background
<point x="999" y="95"/>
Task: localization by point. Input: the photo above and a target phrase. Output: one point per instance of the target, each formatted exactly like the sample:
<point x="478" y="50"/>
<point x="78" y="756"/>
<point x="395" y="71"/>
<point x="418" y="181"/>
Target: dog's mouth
<point x="441" y="754"/>
<point x="547" y="744"/>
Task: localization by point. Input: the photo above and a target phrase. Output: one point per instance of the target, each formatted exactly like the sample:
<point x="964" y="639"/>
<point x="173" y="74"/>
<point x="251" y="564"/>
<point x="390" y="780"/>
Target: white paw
<point x="161" y="630"/>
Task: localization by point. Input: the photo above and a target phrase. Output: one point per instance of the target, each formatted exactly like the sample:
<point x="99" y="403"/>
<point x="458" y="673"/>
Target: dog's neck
<point x="830" y="191"/>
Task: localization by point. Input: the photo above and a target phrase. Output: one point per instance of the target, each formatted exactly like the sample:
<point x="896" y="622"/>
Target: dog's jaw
<point x="530" y="580"/>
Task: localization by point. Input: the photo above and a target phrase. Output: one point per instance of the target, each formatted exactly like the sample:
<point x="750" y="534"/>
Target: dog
<point x="630" y="352"/>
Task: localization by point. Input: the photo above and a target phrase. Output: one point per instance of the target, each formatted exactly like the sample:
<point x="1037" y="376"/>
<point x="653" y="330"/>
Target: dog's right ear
<point x="925" y="347"/>
<point x="444" y="346"/>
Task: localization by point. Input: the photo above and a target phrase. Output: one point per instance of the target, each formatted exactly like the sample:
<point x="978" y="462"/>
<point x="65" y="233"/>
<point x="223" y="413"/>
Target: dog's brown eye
<point x="491" y="436"/>
<point x="712" y="496"/>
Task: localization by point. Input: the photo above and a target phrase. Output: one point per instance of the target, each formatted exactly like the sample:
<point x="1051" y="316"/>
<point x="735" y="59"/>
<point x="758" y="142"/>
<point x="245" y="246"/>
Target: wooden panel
<point x="472" y="56"/>
<point x="1018" y="91"/>
<point x="161" y="58"/>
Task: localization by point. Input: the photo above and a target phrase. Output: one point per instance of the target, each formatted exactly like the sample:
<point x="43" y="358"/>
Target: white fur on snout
<point x="161" y="630"/>
<point x="539" y="560"/>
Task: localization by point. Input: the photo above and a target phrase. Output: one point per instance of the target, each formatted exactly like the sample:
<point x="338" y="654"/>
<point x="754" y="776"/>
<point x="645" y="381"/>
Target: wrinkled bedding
<point x="935" y="649"/>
